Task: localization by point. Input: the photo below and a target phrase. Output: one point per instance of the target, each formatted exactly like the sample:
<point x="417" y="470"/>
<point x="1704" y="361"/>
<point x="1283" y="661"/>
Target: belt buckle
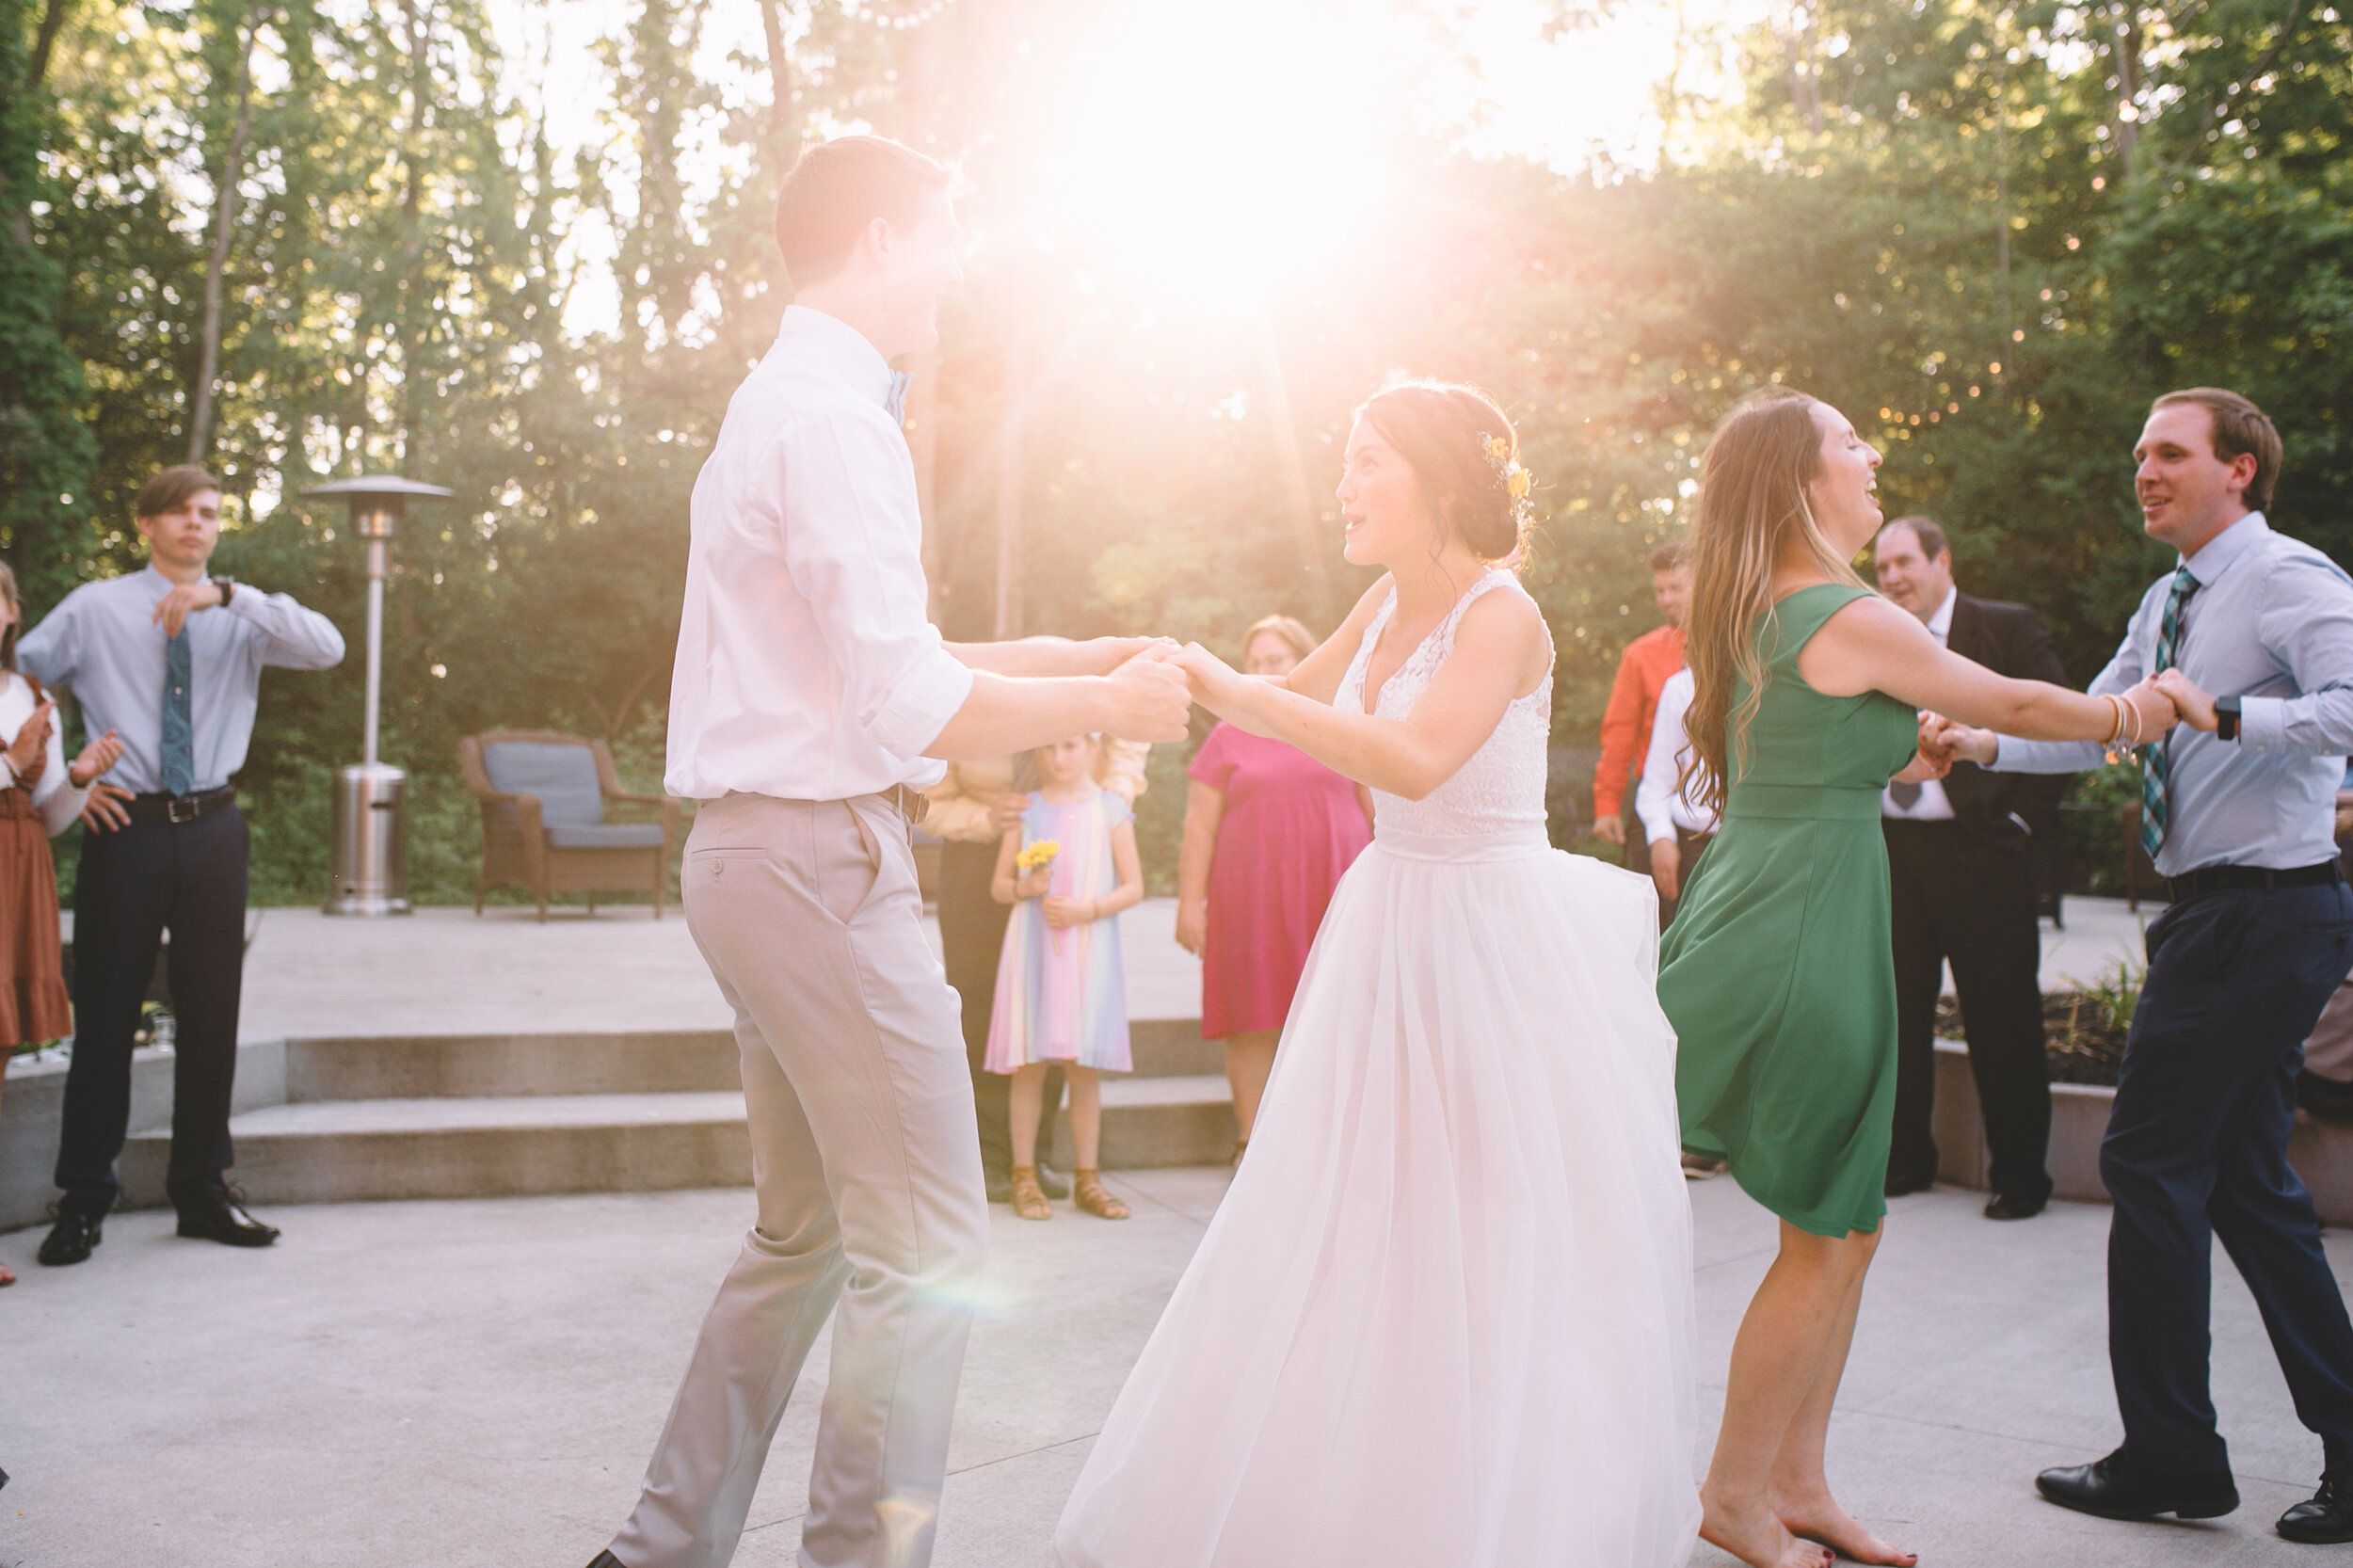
<point x="173" y="811"/>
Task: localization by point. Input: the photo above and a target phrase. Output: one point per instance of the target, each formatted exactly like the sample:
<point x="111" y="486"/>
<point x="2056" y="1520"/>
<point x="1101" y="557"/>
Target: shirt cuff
<point x="920" y="703"/>
<point x="2263" y="723"/>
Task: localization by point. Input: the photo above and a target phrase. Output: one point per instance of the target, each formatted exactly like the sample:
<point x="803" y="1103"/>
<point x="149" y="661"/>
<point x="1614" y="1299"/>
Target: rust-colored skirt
<point x="33" y="1003"/>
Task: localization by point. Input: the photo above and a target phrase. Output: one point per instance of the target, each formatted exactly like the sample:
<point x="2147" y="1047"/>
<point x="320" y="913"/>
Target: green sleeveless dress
<point x="1777" y="972"/>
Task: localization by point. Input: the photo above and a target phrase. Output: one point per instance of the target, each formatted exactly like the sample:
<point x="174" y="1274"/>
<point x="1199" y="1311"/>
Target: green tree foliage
<point x="1989" y="233"/>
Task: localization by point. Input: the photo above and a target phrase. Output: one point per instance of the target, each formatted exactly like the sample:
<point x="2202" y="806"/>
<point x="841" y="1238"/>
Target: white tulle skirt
<point x="1444" y="1314"/>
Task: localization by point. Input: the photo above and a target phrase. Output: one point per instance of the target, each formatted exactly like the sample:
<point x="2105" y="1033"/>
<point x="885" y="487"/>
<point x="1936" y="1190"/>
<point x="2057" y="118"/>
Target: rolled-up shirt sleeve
<point x="2307" y="628"/>
<point x="854" y="548"/>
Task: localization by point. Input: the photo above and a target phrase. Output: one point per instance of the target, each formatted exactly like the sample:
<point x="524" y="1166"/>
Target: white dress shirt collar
<point x="818" y="341"/>
<point x="2227" y="549"/>
<point x="1941" y="623"/>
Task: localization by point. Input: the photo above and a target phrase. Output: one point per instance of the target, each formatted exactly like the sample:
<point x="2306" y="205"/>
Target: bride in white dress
<point x="1444" y="1314"/>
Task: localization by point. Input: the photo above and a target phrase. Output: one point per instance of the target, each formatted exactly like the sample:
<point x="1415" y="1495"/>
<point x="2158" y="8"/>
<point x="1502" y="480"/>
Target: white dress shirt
<point x="53" y="795"/>
<point x="805" y="669"/>
<point x="1931" y="804"/>
<point x="102" y="641"/>
<point x="1658" y="802"/>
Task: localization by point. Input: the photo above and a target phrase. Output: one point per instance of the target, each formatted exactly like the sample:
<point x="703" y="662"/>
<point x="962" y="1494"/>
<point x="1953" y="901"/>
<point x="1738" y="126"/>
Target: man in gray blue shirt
<point x="170" y="658"/>
<point x="2251" y="637"/>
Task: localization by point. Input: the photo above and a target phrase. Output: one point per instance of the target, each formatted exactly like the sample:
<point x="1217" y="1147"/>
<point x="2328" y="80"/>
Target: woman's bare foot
<point x="1820" y="1519"/>
<point x="1755" y="1536"/>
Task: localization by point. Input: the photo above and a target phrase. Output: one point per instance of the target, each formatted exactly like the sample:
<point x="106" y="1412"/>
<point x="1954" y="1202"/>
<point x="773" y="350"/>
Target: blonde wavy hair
<point x="1751" y="509"/>
<point x="1302" y="641"/>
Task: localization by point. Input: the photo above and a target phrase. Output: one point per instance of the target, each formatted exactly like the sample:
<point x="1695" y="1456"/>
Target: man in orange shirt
<point x="1626" y="724"/>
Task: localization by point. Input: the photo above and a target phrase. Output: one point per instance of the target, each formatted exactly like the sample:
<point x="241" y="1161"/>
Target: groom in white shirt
<point x="811" y="701"/>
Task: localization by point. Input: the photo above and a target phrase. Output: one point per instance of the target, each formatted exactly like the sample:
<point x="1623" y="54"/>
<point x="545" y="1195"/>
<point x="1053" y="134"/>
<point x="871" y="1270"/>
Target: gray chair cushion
<point x="563" y="776"/>
<point x="616" y="835"/>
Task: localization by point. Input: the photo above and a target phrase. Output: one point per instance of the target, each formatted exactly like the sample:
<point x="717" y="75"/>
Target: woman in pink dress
<point x="1268" y="832"/>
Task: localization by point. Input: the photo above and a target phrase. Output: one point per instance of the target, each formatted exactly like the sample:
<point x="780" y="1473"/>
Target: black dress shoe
<point x="214" y="1212"/>
<point x="2326" y="1518"/>
<point x="71" y="1238"/>
<point x="1052" y="1185"/>
<point x="2115" y="1488"/>
<point x="604" y="1559"/>
<point x="2003" y="1205"/>
<point x="1904" y="1186"/>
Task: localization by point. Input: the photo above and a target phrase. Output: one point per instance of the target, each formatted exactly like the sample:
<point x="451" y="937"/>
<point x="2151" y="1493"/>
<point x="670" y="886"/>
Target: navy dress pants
<point x="131" y="886"/>
<point x="2196" y="1150"/>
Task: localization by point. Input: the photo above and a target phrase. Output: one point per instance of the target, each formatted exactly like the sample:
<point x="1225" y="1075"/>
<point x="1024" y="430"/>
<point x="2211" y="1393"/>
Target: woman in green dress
<point x="1777" y="972"/>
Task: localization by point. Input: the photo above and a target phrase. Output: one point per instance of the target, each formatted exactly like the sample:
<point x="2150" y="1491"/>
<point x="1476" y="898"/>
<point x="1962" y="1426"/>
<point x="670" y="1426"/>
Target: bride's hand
<point x="1216" y="685"/>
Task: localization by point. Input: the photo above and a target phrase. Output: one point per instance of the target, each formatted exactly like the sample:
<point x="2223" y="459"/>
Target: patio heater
<point x="369" y="878"/>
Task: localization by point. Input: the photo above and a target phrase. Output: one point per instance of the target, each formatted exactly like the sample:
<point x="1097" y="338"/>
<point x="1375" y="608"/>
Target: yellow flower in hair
<point x="1517" y="483"/>
<point x="1499" y="448"/>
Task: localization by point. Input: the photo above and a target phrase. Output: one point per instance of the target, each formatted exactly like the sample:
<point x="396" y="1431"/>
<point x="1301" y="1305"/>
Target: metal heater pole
<point x="378" y="550"/>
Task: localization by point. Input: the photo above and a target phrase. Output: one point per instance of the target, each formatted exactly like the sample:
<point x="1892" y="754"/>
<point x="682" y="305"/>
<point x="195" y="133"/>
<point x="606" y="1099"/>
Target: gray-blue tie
<point x="179" y="756"/>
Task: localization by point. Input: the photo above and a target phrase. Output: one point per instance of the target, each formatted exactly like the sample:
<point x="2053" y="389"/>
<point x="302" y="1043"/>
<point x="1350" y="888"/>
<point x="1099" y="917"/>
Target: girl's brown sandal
<point x="1029" y="1198"/>
<point x="1088" y="1191"/>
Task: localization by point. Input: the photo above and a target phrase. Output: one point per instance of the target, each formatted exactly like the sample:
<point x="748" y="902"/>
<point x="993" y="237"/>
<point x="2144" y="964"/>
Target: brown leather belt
<point x="180" y="808"/>
<point x="912" y="803"/>
<point x="2218" y="879"/>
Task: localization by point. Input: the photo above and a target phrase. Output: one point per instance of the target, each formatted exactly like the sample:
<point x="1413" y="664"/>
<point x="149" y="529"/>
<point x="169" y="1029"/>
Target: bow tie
<point x="895" y="397"/>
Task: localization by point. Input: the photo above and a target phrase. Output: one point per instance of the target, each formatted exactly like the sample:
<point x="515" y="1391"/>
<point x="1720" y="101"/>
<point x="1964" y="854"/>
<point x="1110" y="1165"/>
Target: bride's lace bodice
<point x="1501" y="789"/>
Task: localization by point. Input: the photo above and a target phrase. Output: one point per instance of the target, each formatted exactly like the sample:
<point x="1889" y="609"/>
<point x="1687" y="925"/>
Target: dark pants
<point x="971" y="937"/>
<point x="132" y="885"/>
<point x="1637" y="835"/>
<point x="1974" y="905"/>
<point x="2197" y="1148"/>
<point x="1690" y="846"/>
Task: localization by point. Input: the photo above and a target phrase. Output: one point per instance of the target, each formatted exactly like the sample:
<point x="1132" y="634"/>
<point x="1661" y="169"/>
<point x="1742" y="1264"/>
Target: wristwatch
<point x="228" y="587"/>
<point x="2226" y="718"/>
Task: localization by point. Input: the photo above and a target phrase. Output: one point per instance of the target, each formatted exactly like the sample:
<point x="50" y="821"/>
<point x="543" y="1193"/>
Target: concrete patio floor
<point x="475" y="1384"/>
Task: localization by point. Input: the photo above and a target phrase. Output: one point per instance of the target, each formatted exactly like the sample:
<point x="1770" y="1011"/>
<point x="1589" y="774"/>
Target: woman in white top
<point x="39" y="796"/>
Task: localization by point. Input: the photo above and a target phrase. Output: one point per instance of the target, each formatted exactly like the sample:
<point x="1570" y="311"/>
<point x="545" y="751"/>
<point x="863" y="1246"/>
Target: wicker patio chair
<point x="543" y="796"/>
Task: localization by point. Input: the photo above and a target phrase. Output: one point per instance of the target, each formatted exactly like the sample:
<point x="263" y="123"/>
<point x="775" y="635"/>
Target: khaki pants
<point x="869" y="1179"/>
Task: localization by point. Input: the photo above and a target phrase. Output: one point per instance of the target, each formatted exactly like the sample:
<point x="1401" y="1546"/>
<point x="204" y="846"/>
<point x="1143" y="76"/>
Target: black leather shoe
<point x="2115" y="1488"/>
<point x="606" y="1560"/>
<point x="1904" y="1186"/>
<point x="71" y="1238"/>
<point x="2003" y="1205"/>
<point x="2326" y="1518"/>
<point x="1051" y="1184"/>
<point x="214" y="1212"/>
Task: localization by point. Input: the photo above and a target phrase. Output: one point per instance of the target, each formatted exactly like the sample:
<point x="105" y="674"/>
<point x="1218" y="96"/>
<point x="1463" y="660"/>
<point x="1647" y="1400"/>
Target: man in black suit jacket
<point x="1961" y="864"/>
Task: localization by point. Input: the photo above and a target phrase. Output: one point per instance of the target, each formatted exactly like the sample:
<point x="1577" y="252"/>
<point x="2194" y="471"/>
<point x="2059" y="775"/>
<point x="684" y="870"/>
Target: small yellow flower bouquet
<point x="1036" y="855"/>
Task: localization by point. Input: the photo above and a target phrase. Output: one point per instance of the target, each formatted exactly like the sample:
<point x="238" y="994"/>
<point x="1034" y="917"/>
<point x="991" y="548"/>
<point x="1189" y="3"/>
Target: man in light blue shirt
<point x="170" y="658"/>
<point x="2251" y="637"/>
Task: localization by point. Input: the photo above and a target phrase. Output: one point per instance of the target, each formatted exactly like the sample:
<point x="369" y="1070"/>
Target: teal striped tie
<point x="2154" y="767"/>
<point x="179" y="741"/>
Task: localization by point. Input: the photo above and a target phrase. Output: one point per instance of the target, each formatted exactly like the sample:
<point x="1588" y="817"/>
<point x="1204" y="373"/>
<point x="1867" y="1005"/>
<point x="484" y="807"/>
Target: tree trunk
<point x="2125" y="50"/>
<point x="52" y="19"/>
<point x="784" y="118"/>
<point x="216" y="263"/>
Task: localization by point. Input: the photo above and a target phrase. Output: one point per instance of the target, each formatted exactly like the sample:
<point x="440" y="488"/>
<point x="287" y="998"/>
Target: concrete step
<point x="366" y="1068"/>
<point x="505" y="1145"/>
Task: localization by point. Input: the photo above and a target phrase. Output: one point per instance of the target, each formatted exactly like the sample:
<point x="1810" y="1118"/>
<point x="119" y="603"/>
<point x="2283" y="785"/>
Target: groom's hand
<point x="1108" y="653"/>
<point x="1150" y="699"/>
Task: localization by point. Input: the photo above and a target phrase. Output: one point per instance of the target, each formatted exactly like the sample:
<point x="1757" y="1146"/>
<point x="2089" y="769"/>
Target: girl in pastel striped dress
<point x="1062" y="992"/>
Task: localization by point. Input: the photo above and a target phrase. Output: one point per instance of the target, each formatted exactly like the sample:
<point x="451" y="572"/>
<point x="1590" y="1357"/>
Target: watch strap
<point x="2226" y="718"/>
<point x="228" y="587"/>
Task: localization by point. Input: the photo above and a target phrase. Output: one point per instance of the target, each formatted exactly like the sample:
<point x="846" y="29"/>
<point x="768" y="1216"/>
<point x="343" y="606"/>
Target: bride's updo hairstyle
<point x="1751" y="509"/>
<point x="1467" y="455"/>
